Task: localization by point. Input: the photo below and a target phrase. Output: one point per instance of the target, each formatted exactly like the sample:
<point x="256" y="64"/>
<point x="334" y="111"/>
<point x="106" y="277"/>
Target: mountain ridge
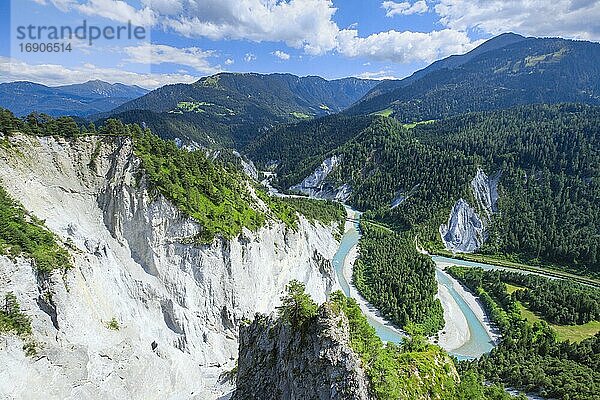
<point x="524" y="71"/>
<point x="81" y="99"/>
<point x="232" y="108"/>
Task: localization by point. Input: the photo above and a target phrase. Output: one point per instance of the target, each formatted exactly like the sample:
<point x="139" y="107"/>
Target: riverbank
<point x="367" y="308"/>
<point x="519" y="267"/>
<point x="456" y="330"/>
<point x="473" y="302"/>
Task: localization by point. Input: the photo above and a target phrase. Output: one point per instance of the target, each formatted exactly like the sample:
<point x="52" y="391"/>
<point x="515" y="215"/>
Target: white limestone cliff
<point x="315" y="184"/>
<point x="465" y="231"/>
<point x="178" y="305"/>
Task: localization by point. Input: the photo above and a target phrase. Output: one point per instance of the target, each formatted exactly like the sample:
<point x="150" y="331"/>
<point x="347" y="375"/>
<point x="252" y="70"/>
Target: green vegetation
<point x="504" y="261"/>
<point x="214" y="196"/>
<point x="384" y="113"/>
<point x="192" y="106"/>
<point x="531" y="356"/>
<point x="11" y="317"/>
<point x="413" y="124"/>
<point x="301" y="147"/>
<point x="13" y="320"/>
<point x="398" y="280"/>
<point x="241" y="106"/>
<point x="300" y="115"/>
<point x="397" y="372"/>
<point x="297" y="306"/>
<point x="504" y="72"/>
<point x="113" y="324"/>
<point x="414" y="370"/>
<point x="547" y="156"/>
<point x="23" y="235"/>
<point x="573" y="333"/>
<point x="325" y="211"/>
<point x="510" y="289"/>
<point x="558" y="301"/>
<point x="214" y="193"/>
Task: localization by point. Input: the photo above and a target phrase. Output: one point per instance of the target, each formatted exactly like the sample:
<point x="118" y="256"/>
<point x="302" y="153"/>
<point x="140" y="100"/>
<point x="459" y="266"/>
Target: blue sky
<point x="188" y="39"/>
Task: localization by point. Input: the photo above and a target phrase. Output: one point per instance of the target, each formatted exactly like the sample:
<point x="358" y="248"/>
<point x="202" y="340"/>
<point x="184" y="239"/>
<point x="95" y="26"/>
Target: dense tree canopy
<point x="530" y="357"/>
<point x="397" y="280"/>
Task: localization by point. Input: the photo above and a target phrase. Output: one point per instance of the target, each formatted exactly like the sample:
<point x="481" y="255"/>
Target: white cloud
<point x="153" y="54"/>
<point x="579" y="19"/>
<point x="229" y="61"/>
<point x="53" y="74"/>
<point x="377" y="75"/>
<point x="281" y="55"/>
<point x="305" y="24"/>
<point x="404" y="47"/>
<point x="118" y="10"/>
<point x="249" y="57"/>
<point x="405" y="8"/>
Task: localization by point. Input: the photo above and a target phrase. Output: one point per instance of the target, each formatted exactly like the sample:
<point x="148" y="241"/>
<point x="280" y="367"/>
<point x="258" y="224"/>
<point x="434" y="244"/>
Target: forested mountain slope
<point x="230" y="108"/>
<point x="505" y="71"/>
<point x="547" y="159"/>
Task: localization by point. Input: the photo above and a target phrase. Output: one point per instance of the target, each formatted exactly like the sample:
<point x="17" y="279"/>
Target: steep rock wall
<point x="465" y="230"/>
<point x="178" y="305"/>
<point x="316" y="362"/>
<point x="315" y="185"/>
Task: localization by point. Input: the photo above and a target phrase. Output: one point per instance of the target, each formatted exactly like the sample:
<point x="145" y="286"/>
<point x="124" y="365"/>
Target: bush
<point x="11" y="317"/>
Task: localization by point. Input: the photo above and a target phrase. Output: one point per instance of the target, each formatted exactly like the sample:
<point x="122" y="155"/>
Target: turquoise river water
<point x="479" y="341"/>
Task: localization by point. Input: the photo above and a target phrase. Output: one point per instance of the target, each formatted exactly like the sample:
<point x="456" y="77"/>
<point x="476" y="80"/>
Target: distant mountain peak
<point x="80" y="99"/>
<point x="506" y="70"/>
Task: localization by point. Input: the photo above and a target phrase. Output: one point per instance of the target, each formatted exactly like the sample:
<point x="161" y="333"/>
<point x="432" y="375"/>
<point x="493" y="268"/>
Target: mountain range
<point x="505" y="71"/>
<point x="231" y="108"/>
<point x="132" y="266"/>
<point x="80" y="100"/>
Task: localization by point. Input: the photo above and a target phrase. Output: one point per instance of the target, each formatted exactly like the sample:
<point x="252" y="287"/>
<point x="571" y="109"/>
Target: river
<point x="473" y="340"/>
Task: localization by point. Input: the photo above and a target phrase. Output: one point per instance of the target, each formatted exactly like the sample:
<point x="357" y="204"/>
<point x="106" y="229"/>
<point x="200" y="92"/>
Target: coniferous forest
<point x="530" y="357"/>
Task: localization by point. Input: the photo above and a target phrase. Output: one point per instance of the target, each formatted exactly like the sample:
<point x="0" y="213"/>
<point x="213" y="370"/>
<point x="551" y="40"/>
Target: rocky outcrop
<point x="247" y="166"/>
<point x="485" y="190"/>
<point x="278" y="361"/>
<point x="178" y="305"/>
<point x="465" y="231"/>
<point x="315" y="184"/>
<point x="398" y="199"/>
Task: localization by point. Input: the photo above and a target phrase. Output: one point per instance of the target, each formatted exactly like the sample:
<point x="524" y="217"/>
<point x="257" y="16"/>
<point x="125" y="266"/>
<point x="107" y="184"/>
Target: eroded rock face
<point x="315" y="185"/>
<point x="485" y="190"/>
<point x="316" y="362"/>
<point x="178" y="305"/>
<point x="465" y="231"/>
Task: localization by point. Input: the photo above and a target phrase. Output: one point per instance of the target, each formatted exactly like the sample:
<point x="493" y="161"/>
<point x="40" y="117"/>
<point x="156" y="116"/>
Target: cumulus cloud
<point x="302" y="24"/>
<point x="305" y="24"/>
<point x="249" y="57"/>
<point x="579" y="19"/>
<point x="405" y="8"/>
<point x="229" y="61"/>
<point x="53" y="74"/>
<point x="404" y="47"/>
<point x="153" y="54"/>
<point x="118" y="10"/>
<point x="281" y="55"/>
